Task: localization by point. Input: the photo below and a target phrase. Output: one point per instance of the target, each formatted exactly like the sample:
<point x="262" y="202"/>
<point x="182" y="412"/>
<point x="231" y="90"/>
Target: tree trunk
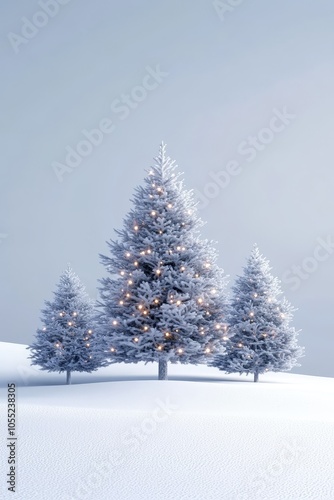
<point x="256" y="376"/>
<point x="163" y="369"/>
<point x="68" y="377"/>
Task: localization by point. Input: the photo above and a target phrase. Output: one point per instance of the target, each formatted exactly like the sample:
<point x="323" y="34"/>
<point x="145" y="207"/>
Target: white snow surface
<point x="202" y="435"/>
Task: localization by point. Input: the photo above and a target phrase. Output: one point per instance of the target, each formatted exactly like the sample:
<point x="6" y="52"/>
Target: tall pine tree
<point x="164" y="298"/>
<point x="260" y="337"/>
<point x="67" y="341"/>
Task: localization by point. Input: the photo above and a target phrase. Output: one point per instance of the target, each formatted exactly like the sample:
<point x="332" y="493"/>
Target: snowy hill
<point x="201" y="435"/>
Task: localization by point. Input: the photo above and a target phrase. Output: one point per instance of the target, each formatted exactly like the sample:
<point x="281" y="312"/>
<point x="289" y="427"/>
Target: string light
<point x="178" y="302"/>
<point x="160" y="231"/>
<point x="200" y="301"/>
<point x="140" y="306"/>
<point x="207" y="350"/>
<point x="136" y="339"/>
<point x="121" y="302"/>
<point x="182" y="268"/>
<point x="180" y="351"/>
<point x="136" y="228"/>
<point x="217" y="327"/>
<point x="122" y="273"/>
<point x="128" y="295"/>
<point x="167" y="334"/>
<point x="115" y="322"/>
<point x="170" y="205"/>
<point x="130" y="282"/>
<point x="158" y="271"/>
<point x="159" y="347"/>
<point x="70" y="323"/>
<point x="149" y="251"/>
<point x="61" y="314"/>
<point x="156" y="301"/>
<point x="145" y="328"/>
<point x="112" y="349"/>
<point x="145" y="313"/>
<point x="88" y="344"/>
<point x="153" y="213"/>
<point x="206" y="265"/>
<point x="90" y="331"/>
<point x="57" y="344"/>
<point x="135" y="263"/>
<point x="225" y="338"/>
<point x="240" y="344"/>
<point x="128" y="254"/>
<point x="75" y="314"/>
<point x="255" y="295"/>
<point x="251" y="314"/>
<point x="44" y="329"/>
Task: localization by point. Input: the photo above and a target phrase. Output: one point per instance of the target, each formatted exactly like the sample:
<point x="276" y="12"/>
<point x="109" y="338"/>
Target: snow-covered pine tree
<point x="67" y="341"/>
<point x="164" y="299"/>
<point x="260" y="337"/>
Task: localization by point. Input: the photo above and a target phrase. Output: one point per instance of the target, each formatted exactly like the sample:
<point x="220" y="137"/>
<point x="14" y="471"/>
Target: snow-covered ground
<point x="120" y="433"/>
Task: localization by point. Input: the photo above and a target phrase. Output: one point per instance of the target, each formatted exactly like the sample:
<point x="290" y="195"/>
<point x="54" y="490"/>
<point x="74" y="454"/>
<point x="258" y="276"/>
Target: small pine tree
<point x="67" y="341"/>
<point x="260" y="338"/>
<point x="164" y="299"/>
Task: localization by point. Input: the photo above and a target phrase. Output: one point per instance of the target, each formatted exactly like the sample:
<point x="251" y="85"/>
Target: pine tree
<point x="164" y="298"/>
<point x="67" y="341"/>
<point x="260" y="338"/>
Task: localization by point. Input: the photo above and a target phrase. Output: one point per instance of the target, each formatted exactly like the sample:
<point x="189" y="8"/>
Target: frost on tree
<point x="67" y="342"/>
<point x="164" y="298"/>
<point x="260" y="336"/>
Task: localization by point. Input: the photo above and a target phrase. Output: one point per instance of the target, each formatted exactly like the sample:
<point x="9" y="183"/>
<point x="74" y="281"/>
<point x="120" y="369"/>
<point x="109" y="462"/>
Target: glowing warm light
<point x="159" y="189"/>
<point x="160" y="231"/>
<point x="159" y="347"/>
<point x="75" y="314"/>
<point x="178" y="248"/>
<point x="130" y="282"/>
<point x="207" y="265"/>
<point x="217" y="327"/>
<point x="135" y="263"/>
<point x="112" y="349"/>
<point x="200" y="301"/>
<point x="122" y="273"/>
<point x="207" y="350"/>
<point x="170" y="205"/>
<point x="145" y="313"/>
<point x="156" y="301"/>
<point x="149" y="251"/>
<point x="115" y="322"/>
<point x="180" y="351"/>
<point x="88" y="344"/>
<point x="128" y="254"/>
<point x="225" y="338"/>
<point x="158" y="271"/>
<point x="61" y="314"/>
<point x="145" y="328"/>
<point x="255" y="295"/>
<point x="128" y="295"/>
<point x="57" y="344"/>
<point x="251" y="314"/>
<point x="213" y="291"/>
<point x="167" y="334"/>
<point x="70" y="323"/>
<point x="136" y="339"/>
<point x="140" y="306"/>
<point x="121" y="302"/>
<point x="90" y="331"/>
<point x="240" y="344"/>
<point x="178" y="302"/>
<point x="183" y="268"/>
<point x="44" y="329"/>
<point x="136" y="228"/>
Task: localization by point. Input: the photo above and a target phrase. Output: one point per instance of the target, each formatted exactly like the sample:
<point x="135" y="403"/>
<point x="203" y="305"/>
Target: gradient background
<point x="225" y="77"/>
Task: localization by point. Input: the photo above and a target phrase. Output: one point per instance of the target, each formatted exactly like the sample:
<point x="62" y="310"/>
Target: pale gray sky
<point x="214" y="88"/>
